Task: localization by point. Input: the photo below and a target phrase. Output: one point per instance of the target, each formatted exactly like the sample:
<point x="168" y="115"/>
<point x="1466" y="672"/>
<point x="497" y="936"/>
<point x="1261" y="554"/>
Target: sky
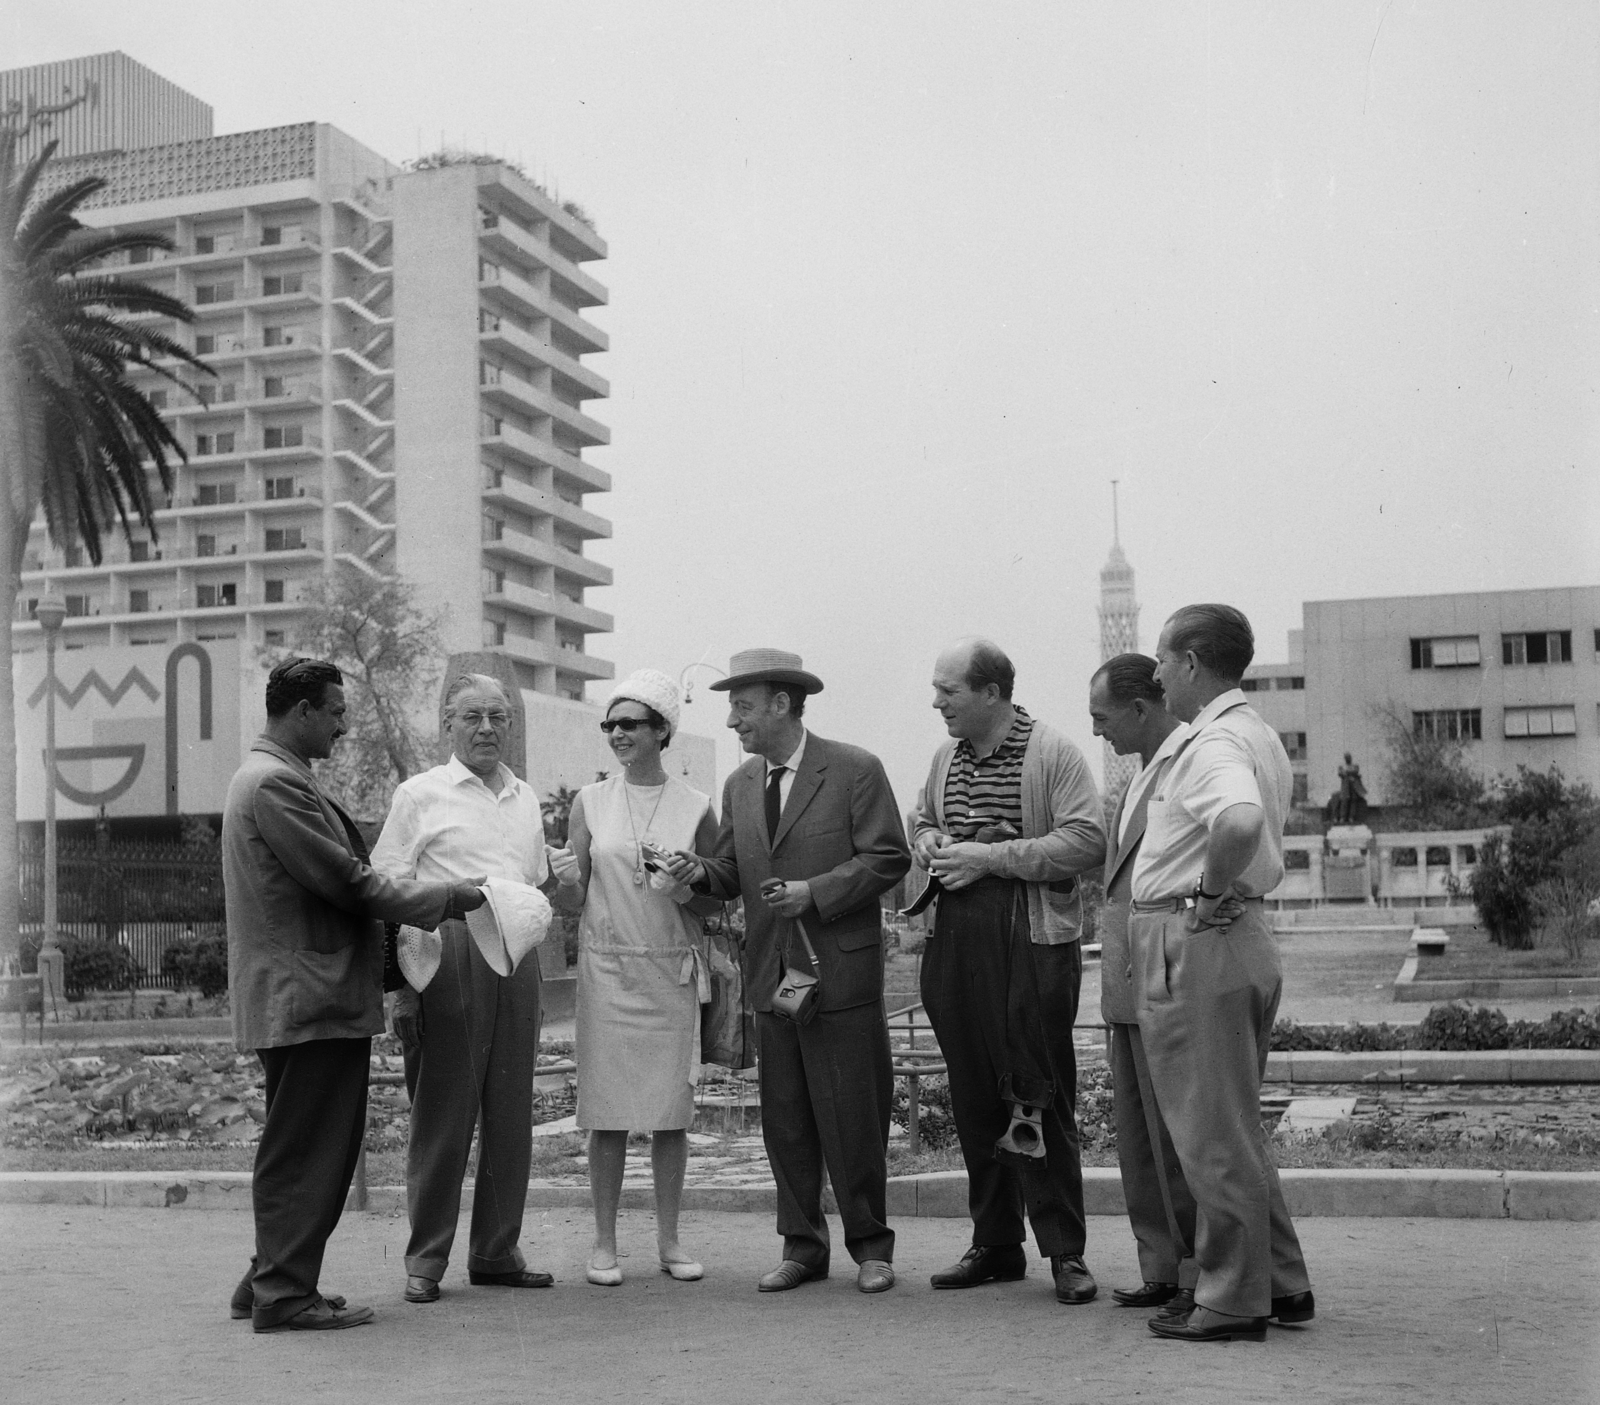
<point x="898" y="289"/>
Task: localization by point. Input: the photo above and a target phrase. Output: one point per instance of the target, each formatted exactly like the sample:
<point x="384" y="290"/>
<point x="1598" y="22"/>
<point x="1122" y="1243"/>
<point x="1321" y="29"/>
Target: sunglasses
<point x="627" y="724"/>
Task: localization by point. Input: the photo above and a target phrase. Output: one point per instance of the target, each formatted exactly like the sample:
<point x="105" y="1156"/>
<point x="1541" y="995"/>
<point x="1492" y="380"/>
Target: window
<point x="212" y="597"/>
<point x="1403" y="858"/>
<point x="205" y="344"/>
<point x="272" y="234"/>
<point x="78" y="605"/>
<point x="1552" y="646"/>
<point x="1446" y="651"/>
<point x="287" y="436"/>
<point x="279" y="488"/>
<point x="226" y="392"/>
<point x="1437" y="856"/>
<point x="1299" y="788"/>
<point x="205" y="545"/>
<point x="1254" y="685"/>
<point x="282" y="284"/>
<point x="1297" y="860"/>
<point x="225" y="446"/>
<point x="205" y="244"/>
<point x="272" y="388"/>
<point x="273" y="637"/>
<point x="494" y="633"/>
<point x="1287" y="685"/>
<point x="1555" y="721"/>
<point x="488" y="272"/>
<point x="212" y="292"/>
<point x="1295" y="744"/>
<point x="140" y="255"/>
<point x="1467" y="854"/>
<point x="286" y="539"/>
<point x="274" y="594"/>
<point x="489" y="426"/>
<point x="493" y="529"/>
<point x="487" y="219"/>
<point x="204" y="443"/>
<point x="158" y="398"/>
<point x="494" y="582"/>
<point x="488" y="373"/>
<point x="206" y="394"/>
<point x="138" y="551"/>
<point x="488" y="321"/>
<point x="138" y="602"/>
<point x="1461" y="724"/>
<point x="212" y="494"/>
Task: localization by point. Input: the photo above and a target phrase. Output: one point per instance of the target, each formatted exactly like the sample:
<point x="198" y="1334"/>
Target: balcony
<point x="511" y="340"/>
<point x="309" y="291"/>
<point x="507" y="240"/>
<point x="528" y="601"/>
<point x="507" y="288"/>
<point x="521" y="397"/>
<point x="508" y="492"/>
<point x="524" y="448"/>
<point x="518" y="546"/>
<point x="531" y="651"/>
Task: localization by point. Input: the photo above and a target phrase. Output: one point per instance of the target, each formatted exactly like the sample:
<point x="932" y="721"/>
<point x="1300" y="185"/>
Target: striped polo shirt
<point x="987" y="790"/>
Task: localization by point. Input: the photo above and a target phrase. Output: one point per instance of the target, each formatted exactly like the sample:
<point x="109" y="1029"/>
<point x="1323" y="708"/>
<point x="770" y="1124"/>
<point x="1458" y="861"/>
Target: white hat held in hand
<point x="515" y="919"/>
<point x="420" y="953"/>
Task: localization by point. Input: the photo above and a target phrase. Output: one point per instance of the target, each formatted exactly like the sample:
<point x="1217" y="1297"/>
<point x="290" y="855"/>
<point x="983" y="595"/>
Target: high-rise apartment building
<point x="399" y="387"/>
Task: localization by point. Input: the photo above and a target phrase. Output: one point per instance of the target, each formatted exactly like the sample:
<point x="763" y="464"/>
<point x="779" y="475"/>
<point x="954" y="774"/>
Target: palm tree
<point x="75" y="433"/>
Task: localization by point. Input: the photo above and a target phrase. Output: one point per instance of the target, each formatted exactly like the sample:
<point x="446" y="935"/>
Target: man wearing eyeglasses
<point x="305" y="970"/>
<point x="470" y="1036"/>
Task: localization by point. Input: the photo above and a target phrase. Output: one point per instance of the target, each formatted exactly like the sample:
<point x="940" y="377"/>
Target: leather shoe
<point x="1147" y="1294"/>
<point x="243" y="1300"/>
<point x="422" y="1290"/>
<point x="875" y="1276"/>
<point x="1204" y="1325"/>
<point x="517" y="1278"/>
<point x="791" y="1273"/>
<point x="1074" y="1283"/>
<point x="320" y="1316"/>
<point x="984" y="1263"/>
<point x="1179" y="1306"/>
<point x="1294" y="1307"/>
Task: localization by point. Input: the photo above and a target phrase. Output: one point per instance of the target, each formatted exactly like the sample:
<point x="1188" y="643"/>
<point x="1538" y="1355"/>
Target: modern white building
<point x="1514" y="675"/>
<point x="400" y="387"/>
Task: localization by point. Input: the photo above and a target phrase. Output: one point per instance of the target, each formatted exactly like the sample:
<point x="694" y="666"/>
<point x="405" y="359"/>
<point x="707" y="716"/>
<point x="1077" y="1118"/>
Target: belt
<point x="1182" y="904"/>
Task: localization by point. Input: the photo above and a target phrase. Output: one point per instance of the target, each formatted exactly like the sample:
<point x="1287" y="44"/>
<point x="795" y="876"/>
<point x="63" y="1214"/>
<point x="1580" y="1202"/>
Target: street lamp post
<point x="50" y="612"/>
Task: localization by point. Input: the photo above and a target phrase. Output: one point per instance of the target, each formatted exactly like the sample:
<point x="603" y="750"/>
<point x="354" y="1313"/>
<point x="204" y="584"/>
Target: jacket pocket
<point x="858" y="937"/>
<point x="330" y="986"/>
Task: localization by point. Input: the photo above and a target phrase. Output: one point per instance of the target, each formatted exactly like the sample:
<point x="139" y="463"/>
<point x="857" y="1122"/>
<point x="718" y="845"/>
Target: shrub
<point x="1454" y="1027"/>
<point x="1549" y="819"/>
<point x="1338" y="1038"/>
<point x="201" y="963"/>
<point x="94" y="965"/>
<point x="1463" y="1027"/>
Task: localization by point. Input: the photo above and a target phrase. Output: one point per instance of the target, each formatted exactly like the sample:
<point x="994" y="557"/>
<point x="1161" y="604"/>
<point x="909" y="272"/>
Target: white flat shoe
<point x="683" y="1272"/>
<point x="605" y="1277"/>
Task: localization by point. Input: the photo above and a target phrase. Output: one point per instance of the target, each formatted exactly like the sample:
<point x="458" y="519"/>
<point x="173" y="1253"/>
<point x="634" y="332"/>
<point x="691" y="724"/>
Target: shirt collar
<point x="1171" y="742"/>
<point x="272" y="748"/>
<point x="1015" y="739"/>
<point x="795" y="757"/>
<point x="459" y="773"/>
<point x="1216" y="707"/>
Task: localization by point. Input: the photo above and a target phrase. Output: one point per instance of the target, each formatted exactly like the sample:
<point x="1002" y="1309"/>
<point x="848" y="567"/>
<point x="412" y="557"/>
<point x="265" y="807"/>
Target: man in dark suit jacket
<point x="305" y="976"/>
<point x="810" y="834"/>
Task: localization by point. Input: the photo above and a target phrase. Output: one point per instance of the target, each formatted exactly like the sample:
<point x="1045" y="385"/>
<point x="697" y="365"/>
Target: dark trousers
<point x="316" y="1119"/>
<point x="1002" y="1010"/>
<point x="480" y="1041"/>
<point x="1206" y="1003"/>
<point x="1160" y="1207"/>
<point x="826" y="1090"/>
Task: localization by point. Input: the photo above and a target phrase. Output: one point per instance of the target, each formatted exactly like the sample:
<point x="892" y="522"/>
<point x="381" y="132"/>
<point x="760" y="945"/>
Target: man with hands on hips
<point x="1207" y="978"/>
<point x="810" y="834"/>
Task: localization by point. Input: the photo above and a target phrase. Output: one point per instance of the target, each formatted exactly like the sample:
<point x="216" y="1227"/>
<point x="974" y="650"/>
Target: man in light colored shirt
<point x="1207" y="978"/>
<point x="471" y="1036"/>
<point x="1128" y="709"/>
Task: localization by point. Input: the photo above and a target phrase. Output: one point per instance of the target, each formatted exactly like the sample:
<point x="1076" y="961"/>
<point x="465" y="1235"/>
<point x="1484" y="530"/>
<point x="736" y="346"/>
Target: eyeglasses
<point x="473" y="720"/>
<point x="630" y="725"/>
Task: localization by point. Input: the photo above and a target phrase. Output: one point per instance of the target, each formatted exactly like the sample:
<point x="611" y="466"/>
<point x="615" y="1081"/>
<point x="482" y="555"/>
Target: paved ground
<point x="128" y="1305"/>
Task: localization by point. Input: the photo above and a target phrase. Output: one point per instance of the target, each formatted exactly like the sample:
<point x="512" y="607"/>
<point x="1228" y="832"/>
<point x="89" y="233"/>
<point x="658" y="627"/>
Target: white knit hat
<point x="653" y="689"/>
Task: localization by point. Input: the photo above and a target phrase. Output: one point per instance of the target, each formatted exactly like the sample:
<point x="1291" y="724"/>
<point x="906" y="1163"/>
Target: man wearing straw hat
<point x="469" y="1018"/>
<point x="811" y="837"/>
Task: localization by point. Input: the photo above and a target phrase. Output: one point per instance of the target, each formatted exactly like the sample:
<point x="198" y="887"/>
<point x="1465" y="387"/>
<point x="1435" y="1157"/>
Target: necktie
<point x="774" y="801"/>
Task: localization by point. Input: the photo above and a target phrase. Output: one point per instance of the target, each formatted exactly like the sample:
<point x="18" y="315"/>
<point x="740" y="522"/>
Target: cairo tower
<point x="1119" y="634"/>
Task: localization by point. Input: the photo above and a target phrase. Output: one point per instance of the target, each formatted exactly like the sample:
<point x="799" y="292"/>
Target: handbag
<point x="799" y="993"/>
<point x="727" y="1022"/>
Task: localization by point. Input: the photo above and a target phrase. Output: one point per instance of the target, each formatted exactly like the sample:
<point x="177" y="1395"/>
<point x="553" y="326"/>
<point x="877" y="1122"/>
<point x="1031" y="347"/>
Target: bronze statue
<point x="1350" y="805"/>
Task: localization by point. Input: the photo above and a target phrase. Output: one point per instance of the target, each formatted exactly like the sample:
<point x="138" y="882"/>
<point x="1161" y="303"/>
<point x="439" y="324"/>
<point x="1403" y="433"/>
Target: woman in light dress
<point x="640" y="965"/>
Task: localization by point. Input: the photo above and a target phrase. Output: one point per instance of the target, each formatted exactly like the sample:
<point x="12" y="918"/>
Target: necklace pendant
<point x="638" y="878"/>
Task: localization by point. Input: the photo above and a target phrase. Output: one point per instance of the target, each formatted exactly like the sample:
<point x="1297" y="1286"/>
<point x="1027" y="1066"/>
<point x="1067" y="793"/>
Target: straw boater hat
<point x="766" y="666"/>
<point x="514" y="920"/>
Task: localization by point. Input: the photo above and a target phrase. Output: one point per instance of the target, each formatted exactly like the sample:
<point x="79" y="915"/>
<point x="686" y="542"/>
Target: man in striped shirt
<point x="1006" y="823"/>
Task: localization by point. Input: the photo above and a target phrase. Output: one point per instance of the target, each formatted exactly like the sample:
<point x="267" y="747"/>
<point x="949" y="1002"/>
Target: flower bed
<point x="1456" y="1027"/>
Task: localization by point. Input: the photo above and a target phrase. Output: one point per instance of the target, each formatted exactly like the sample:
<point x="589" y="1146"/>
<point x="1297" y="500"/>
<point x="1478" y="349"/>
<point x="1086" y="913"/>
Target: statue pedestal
<point x="1346" y="873"/>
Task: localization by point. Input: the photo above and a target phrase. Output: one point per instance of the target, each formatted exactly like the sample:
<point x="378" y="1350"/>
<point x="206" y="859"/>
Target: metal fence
<point x="142" y="896"/>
